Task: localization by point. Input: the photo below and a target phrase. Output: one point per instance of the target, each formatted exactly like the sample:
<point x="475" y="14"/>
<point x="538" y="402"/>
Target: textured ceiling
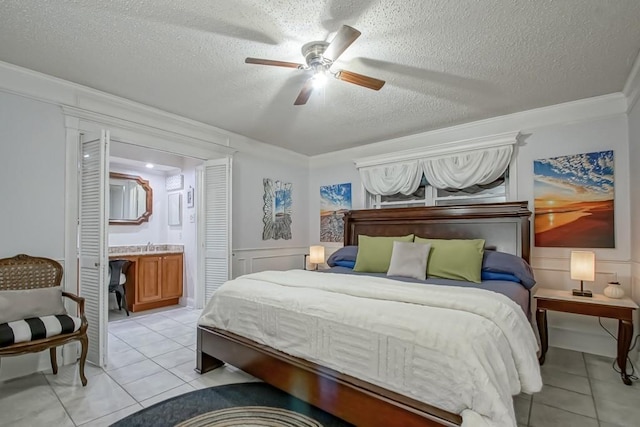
<point x="445" y="62"/>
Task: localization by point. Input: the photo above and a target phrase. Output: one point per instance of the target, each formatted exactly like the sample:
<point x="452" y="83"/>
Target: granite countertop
<point x="130" y="250"/>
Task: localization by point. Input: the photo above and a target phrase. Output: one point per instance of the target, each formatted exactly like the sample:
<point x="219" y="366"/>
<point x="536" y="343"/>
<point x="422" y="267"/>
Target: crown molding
<point x="527" y="121"/>
<point x="632" y="85"/>
<point x="100" y="107"/>
<point x="87" y="120"/>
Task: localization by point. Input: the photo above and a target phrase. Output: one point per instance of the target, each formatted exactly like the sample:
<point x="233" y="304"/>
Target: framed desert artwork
<point x="574" y="201"/>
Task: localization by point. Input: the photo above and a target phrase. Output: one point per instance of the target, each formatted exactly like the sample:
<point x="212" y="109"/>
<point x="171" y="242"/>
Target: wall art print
<point x="574" y="201"/>
<point x="277" y="210"/>
<point x="335" y="200"/>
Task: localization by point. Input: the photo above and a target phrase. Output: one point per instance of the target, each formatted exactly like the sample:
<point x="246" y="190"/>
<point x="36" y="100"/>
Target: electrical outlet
<point x="192" y="217"/>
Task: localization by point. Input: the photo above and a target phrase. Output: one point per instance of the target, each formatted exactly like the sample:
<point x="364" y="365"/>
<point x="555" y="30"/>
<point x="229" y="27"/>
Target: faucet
<point x="149" y="246"/>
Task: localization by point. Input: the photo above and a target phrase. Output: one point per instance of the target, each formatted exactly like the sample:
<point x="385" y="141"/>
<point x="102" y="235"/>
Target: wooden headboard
<point x="504" y="226"/>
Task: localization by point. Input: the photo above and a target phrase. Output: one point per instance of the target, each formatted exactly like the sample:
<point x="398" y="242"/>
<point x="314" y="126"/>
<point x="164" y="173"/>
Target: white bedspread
<point x="464" y="350"/>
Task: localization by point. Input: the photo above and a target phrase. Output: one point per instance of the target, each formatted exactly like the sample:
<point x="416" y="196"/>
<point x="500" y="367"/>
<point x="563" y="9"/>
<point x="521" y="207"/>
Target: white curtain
<point x="466" y="169"/>
<point x="392" y="178"/>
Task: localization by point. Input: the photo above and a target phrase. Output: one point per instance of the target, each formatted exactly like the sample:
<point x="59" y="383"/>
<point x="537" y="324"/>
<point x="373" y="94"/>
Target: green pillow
<point x="374" y="253"/>
<point x="455" y="259"/>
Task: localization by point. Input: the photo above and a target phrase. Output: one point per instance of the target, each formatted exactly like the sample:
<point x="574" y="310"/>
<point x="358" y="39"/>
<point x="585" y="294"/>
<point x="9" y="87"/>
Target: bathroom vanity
<point x="155" y="277"/>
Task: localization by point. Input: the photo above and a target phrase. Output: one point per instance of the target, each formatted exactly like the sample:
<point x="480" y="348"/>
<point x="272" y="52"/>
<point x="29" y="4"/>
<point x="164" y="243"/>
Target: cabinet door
<point x="148" y="285"/>
<point x="172" y="276"/>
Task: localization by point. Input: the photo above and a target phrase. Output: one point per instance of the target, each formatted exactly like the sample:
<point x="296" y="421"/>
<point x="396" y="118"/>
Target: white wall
<point x="634" y="160"/>
<point x="584" y="132"/>
<point x="32" y="177"/>
<point x="250" y="252"/>
<point x="32" y="174"/>
<point x="186" y="234"/>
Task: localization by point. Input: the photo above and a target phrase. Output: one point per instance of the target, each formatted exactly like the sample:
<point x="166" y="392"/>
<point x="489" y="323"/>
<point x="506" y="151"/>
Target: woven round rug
<point x="234" y="405"/>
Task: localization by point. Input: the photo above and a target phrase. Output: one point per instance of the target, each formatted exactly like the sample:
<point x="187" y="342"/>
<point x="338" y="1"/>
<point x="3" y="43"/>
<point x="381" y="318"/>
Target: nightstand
<point x="599" y="306"/>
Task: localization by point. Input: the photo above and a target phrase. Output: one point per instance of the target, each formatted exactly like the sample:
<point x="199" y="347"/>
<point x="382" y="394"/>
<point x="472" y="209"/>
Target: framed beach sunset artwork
<point x="574" y="198"/>
<point x="335" y="200"/>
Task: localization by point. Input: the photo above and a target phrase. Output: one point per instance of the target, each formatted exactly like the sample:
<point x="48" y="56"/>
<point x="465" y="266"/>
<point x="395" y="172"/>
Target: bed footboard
<point x="349" y="398"/>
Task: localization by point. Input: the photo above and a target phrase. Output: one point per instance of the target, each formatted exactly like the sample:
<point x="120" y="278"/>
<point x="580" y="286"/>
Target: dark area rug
<point x="256" y="404"/>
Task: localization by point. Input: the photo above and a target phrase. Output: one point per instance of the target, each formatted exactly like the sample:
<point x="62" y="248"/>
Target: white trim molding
<point x="246" y="261"/>
<point x="632" y="86"/>
<point x="441" y="150"/>
<point x="570" y="112"/>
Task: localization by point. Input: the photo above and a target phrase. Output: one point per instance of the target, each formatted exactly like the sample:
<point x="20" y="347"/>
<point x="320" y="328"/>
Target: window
<point x="427" y="195"/>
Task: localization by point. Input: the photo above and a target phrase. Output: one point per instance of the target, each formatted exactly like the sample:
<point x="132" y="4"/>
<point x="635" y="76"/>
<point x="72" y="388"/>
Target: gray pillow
<point x="409" y="260"/>
<point x="26" y="303"/>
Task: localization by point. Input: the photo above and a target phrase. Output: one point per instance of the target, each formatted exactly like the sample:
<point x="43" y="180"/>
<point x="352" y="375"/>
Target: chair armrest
<point x="78" y="300"/>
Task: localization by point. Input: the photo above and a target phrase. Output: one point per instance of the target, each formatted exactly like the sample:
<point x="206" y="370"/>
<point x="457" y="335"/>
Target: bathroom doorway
<point x="210" y="195"/>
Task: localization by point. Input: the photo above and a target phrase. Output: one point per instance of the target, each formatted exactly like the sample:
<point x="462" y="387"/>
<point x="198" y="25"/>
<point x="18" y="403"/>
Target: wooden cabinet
<point x="154" y="281"/>
<point x="171" y="284"/>
<point x="147" y="284"/>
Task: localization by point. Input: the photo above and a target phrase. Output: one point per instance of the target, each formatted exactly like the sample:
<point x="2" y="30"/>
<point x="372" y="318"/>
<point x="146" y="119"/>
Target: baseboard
<point x="25" y="364"/>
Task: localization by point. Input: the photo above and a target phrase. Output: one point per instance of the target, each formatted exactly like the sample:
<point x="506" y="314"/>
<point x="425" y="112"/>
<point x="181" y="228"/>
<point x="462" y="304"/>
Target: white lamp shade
<point x="316" y="254"/>
<point x="583" y="265"/>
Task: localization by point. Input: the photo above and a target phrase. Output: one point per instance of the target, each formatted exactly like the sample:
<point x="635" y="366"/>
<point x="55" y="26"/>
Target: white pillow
<point x="26" y="303"/>
<point x="409" y="260"/>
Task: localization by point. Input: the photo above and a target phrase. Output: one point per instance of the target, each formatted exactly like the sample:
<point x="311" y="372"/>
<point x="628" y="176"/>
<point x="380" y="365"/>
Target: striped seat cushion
<point x="37" y="328"/>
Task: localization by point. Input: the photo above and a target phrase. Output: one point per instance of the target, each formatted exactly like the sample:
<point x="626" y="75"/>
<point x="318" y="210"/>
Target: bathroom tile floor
<point x="151" y="358"/>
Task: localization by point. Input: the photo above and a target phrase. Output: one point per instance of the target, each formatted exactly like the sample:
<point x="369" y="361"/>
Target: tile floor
<point x="151" y="358"/>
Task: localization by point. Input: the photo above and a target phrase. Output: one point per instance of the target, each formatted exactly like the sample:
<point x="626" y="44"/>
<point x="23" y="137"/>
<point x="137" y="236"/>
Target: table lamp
<point x="316" y="255"/>
<point x="583" y="264"/>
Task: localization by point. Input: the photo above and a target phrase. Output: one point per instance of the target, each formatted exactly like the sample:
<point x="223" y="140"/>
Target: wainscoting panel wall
<point x="247" y="261"/>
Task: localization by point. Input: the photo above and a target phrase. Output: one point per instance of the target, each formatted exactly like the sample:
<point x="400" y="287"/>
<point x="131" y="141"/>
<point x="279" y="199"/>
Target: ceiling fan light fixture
<point x="319" y="57"/>
<point x="319" y="79"/>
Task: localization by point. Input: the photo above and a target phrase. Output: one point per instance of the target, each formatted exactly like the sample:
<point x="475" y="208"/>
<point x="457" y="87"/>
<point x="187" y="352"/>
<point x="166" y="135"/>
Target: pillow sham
<point x="26" y="303"/>
<point x="502" y="262"/>
<point x="455" y="259"/>
<point x="374" y="253"/>
<point x="508" y="277"/>
<point x="345" y="253"/>
<point x="409" y="259"/>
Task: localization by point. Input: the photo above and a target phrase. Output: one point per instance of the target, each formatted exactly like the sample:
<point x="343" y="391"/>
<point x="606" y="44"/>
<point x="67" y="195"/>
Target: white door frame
<point x="80" y="121"/>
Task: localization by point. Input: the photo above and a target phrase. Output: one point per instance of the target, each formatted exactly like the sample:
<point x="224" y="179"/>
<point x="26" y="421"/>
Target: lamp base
<point x="582" y="293"/>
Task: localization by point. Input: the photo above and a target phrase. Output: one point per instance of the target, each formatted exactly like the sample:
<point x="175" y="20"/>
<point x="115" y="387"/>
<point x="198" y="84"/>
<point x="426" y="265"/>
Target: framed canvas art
<point x="574" y="201"/>
<point x="335" y="200"/>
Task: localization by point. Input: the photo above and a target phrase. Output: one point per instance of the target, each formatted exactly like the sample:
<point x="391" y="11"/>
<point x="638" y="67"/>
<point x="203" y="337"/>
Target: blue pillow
<point x="345" y="263"/>
<point x="488" y="275"/>
<point x="345" y="253"/>
<point x="501" y="262"/>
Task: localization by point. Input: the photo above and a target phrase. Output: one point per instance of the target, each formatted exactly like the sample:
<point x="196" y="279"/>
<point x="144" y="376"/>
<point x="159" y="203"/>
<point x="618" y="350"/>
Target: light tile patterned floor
<point x="151" y="358"/>
<point x="580" y="390"/>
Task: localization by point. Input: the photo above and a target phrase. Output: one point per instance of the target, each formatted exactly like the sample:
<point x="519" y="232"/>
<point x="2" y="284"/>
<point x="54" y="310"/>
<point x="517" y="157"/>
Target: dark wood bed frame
<point x="504" y="226"/>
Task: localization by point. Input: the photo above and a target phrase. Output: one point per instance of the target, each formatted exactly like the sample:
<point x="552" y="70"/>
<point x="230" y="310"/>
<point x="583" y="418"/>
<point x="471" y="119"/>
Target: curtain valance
<point x="392" y="178"/>
<point x="466" y="169"/>
<point x="454" y="165"/>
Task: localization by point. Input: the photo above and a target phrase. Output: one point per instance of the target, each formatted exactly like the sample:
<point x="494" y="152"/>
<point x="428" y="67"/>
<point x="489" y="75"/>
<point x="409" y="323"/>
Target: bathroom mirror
<point x="130" y="199"/>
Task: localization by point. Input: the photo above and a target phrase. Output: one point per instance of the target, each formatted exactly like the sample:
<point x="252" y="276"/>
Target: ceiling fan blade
<point x="305" y="93"/>
<point x="360" y="80"/>
<point x="271" y="62"/>
<point x="346" y="35"/>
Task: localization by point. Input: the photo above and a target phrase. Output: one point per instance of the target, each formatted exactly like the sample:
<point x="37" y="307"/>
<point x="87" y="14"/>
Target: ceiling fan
<point x="319" y="57"/>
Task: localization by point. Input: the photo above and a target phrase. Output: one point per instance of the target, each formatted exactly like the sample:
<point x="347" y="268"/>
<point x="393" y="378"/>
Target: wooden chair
<point x="26" y="272"/>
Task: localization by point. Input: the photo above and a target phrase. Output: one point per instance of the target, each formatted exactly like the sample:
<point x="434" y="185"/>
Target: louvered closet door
<point x="92" y="250"/>
<point x="217" y="224"/>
